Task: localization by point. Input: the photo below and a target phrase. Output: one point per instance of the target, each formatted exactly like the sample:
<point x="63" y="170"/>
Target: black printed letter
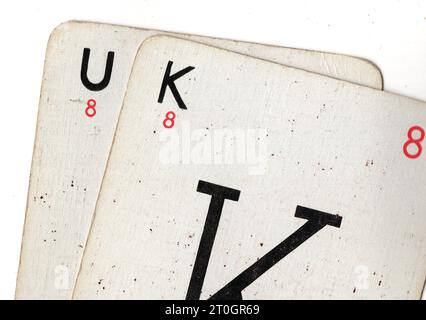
<point x="169" y="81"/>
<point x="316" y="221"/>
<point x="219" y="194"/>
<point x="107" y="76"/>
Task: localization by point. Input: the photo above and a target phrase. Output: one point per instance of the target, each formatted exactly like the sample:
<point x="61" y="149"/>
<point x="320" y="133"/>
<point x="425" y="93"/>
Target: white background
<point x="390" y="33"/>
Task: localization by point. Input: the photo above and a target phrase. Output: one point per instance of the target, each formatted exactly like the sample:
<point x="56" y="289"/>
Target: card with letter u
<point x="236" y="178"/>
<point x="85" y="76"/>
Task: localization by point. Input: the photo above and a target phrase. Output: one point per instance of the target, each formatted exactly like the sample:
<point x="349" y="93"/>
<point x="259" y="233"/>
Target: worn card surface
<point x="232" y="177"/>
<point x="86" y="72"/>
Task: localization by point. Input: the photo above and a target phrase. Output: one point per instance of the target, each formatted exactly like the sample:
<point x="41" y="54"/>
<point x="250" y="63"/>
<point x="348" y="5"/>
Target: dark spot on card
<point x="76" y="100"/>
<point x="354" y="290"/>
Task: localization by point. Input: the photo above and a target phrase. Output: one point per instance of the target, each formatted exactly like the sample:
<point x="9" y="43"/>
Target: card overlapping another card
<point x="232" y="177"/>
<point x="85" y="76"/>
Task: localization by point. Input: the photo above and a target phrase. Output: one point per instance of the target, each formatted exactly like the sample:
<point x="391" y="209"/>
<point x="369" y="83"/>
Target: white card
<point x="318" y="193"/>
<point x="73" y="139"/>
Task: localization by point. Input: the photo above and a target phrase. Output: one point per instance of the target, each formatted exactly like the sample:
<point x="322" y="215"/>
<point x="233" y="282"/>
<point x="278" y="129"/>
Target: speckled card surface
<point x="235" y="178"/>
<point x="85" y="76"/>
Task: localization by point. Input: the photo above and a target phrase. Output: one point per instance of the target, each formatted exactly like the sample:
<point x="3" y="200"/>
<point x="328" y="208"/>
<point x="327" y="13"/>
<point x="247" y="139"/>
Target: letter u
<point x="107" y="76"/>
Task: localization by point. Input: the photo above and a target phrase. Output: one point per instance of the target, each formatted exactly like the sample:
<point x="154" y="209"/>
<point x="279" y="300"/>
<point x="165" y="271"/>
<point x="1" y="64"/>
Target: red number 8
<point x="169" y="121"/>
<point x="90" y="110"/>
<point x="416" y="142"/>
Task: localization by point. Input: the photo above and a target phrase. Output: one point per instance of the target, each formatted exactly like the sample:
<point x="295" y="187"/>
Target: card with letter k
<point x="232" y="177"/>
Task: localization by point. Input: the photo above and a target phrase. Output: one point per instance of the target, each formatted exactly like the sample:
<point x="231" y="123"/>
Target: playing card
<point x="86" y="72"/>
<point x="231" y="177"/>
